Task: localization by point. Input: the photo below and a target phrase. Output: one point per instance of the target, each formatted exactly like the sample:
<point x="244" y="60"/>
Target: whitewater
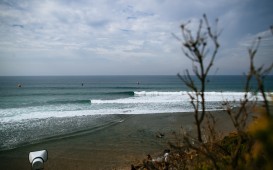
<point x="141" y="102"/>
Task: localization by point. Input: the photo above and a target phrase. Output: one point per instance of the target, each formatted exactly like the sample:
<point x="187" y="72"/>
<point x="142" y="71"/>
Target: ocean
<point x="35" y="109"/>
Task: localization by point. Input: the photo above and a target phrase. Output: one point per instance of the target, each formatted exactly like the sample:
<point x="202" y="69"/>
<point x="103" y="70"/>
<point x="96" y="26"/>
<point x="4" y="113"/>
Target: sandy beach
<point x="113" y="147"/>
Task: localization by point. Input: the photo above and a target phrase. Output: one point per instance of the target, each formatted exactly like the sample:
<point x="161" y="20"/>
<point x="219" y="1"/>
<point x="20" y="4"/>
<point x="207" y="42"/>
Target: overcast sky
<point x="125" y="37"/>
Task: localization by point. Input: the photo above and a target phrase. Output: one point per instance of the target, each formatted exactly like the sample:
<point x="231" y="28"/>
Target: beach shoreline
<point x="118" y="145"/>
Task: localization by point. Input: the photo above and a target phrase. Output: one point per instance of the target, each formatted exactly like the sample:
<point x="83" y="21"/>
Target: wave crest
<point x="143" y="97"/>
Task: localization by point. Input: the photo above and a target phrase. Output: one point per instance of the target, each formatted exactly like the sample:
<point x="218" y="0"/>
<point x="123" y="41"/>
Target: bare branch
<point x="196" y="49"/>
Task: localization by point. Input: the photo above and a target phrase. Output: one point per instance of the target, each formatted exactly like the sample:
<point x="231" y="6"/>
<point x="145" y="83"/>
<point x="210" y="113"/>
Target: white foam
<point x="74" y="113"/>
<point x="139" y="100"/>
<point x="142" y="103"/>
<point x="157" y="93"/>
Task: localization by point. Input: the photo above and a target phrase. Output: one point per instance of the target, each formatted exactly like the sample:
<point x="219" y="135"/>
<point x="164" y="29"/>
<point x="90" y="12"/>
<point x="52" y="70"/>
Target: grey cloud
<point x="17" y="25"/>
<point x="98" y="23"/>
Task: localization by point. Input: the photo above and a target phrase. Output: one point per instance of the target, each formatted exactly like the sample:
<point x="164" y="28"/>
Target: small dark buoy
<point x="82" y="84"/>
<point x="19" y="85"/>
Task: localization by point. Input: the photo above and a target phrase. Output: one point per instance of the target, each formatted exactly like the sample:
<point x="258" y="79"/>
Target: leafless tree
<point x="196" y="48"/>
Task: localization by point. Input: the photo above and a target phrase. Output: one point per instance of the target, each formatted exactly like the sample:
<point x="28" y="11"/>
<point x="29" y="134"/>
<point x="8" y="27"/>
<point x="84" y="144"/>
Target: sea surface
<point x="35" y="109"/>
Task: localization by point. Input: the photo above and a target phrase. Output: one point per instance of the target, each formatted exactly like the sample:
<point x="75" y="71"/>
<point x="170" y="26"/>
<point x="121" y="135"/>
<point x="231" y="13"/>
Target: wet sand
<point x="114" y="147"/>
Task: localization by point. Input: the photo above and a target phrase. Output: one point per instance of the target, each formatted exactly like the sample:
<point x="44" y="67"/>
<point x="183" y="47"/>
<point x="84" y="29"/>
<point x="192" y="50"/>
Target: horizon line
<point x="117" y="75"/>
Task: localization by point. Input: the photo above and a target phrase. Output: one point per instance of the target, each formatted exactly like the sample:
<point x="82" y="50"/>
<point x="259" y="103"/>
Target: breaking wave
<point x="182" y="96"/>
